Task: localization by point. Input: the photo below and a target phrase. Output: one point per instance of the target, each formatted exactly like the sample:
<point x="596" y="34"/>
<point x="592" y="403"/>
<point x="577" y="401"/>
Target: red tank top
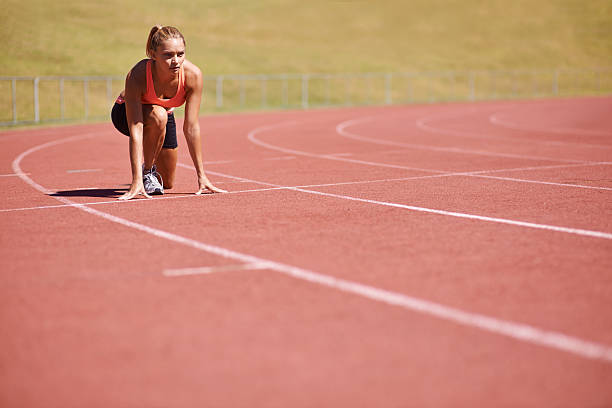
<point x="150" y="98"/>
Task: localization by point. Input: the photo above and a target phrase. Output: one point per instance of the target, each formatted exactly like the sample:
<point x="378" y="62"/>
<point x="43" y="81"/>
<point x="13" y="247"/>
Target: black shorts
<point x="119" y="118"/>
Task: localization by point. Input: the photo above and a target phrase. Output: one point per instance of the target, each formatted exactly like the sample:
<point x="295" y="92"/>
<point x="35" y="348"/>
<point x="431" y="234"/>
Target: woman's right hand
<point x="135" y="189"/>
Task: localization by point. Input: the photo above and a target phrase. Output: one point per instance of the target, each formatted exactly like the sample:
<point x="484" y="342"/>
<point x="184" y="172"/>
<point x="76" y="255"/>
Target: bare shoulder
<point x="193" y="75"/>
<point x="137" y="74"/>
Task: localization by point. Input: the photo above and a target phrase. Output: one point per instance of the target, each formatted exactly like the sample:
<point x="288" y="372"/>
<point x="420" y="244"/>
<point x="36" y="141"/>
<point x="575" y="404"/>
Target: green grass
<point x="243" y="36"/>
<point x="274" y="36"/>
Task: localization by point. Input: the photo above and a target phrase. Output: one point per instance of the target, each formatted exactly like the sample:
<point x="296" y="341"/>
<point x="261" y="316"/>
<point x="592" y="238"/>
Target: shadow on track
<point x="95" y="192"/>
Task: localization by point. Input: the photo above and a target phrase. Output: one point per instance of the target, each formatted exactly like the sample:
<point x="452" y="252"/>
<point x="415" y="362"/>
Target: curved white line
<point x="495" y="119"/>
<point x="422" y="123"/>
<point x="253" y="139"/>
<point x="576" y="231"/>
<point x="518" y="331"/>
<point x="341" y="130"/>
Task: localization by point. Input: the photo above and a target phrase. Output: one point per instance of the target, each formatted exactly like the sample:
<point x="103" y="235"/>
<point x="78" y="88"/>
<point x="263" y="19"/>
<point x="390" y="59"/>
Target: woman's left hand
<point x="206" y="187"/>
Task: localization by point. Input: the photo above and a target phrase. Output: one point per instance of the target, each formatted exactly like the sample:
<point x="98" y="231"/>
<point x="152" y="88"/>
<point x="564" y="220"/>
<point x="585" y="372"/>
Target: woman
<point x="143" y="111"/>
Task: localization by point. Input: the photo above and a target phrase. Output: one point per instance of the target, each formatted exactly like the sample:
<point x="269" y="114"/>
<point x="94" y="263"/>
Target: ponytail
<point x="150" y="47"/>
<point x="161" y="33"/>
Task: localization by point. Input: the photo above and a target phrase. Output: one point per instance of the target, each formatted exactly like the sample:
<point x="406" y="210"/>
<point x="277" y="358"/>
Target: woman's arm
<point x="133" y="108"/>
<point x="191" y="126"/>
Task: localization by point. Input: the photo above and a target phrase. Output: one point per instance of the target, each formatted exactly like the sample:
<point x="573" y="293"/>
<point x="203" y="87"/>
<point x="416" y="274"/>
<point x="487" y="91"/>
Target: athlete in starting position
<point x="143" y="111"/>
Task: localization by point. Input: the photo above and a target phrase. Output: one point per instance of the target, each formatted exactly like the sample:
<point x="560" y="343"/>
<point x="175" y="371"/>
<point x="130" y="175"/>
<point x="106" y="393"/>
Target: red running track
<point x="452" y="255"/>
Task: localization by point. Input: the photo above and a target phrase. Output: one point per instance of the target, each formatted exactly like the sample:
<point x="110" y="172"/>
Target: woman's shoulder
<point x="192" y="72"/>
<point x="139" y="70"/>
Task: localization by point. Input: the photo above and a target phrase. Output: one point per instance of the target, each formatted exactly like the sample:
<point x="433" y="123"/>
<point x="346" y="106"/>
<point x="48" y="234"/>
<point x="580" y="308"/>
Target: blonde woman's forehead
<point x="171" y="44"/>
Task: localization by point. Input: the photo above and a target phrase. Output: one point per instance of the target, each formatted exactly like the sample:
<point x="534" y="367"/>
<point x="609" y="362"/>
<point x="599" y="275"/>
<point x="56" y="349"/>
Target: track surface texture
<point x="452" y="255"/>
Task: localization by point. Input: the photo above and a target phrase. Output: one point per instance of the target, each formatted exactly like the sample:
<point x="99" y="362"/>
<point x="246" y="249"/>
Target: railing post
<point x="432" y="86"/>
<point x="347" y="83"/>
<point x="409" y="91"/>
<point x="242" y="92"/>
<point x="14" y="98"/>
<point x="36" y="101"/>
<point x="472" y="80"/>
<point x="305" y="91"/>
<point x="285" y="91"/>
<point x="219" y="91"/>
<point x="264" y="91"/>
<point x="86" y="96"/>
<point x="109" y="91"/>
<point x="388" y="97"/>
<point x="61" y="92"/>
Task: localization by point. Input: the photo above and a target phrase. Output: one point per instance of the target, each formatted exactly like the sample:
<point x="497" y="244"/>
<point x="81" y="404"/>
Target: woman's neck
<point x="162" y="74"/>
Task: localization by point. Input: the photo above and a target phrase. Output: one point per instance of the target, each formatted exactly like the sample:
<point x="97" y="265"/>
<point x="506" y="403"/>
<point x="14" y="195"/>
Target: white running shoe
<point x="152" y="181"/>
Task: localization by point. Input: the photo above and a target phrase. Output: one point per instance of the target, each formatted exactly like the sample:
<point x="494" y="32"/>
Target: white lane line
<point x="10" y="175"/>
<point x="219" y="162"/>
<point x="423" y="124"/>
<point x="575" y="231"/>
<point x="341" y="130"/>
<point x="550" y="183"/>
<point x="134" y="201"/>
<point x="281" y="158"/>
<point x="83" y="171"/>
<point x="255" y="190"/>
<point x="40" y="207"/>
<point x="518" y="331"/>
<point x="479" y="173"/>
<point x="442" y="173"/>
<point x="44" y="207"/>
<point x="554" y="166"/>
<point x="207" y="270"/>
<point x="251" y="137"/>
<point x="339" y="154"/>
<point x="496" y="120"/>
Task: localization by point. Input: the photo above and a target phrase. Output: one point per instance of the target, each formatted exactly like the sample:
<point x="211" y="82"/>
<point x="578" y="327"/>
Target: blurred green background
<point x="286" y="36"/>
<point x="71" y="37"/>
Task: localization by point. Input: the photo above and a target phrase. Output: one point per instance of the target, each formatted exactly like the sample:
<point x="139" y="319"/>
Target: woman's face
<point x="170" y="54"/>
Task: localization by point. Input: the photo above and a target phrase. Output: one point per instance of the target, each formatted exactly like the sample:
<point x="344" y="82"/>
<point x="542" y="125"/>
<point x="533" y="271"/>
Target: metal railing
<point x="27" y="100"/>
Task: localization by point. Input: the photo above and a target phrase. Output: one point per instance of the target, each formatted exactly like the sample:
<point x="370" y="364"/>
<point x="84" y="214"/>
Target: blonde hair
<point x="161" y="33"/>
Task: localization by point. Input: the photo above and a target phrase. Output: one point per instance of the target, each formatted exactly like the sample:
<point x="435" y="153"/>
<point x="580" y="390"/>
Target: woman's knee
<point x="156" y="117"/>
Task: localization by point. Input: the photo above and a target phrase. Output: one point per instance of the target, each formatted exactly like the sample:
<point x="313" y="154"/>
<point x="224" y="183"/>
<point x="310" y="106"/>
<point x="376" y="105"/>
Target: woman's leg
<point x="166" y="166"/>
<point x="154" y="131"/>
